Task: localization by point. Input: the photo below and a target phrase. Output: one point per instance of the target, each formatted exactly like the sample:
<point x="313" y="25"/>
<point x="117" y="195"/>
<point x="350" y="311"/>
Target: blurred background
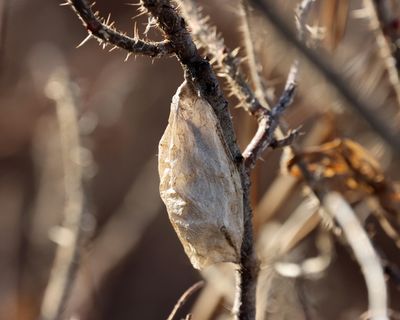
<point x="132" y="265"/>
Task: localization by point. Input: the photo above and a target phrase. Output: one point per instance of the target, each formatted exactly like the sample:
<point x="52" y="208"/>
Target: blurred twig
<point x="258" y="87"/>
<point x="363" y="108"/>
<point x="384" y="49"/>
<point x="186" y="295"/>
<point x="364" y="252"/>
<point x="68" y="237"/>
<point x="121" y="234"/>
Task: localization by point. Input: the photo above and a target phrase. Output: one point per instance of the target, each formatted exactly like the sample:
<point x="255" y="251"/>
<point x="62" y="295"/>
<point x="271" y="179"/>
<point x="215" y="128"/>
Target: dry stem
<point x="363" y="108"/>
<point x="104" y="31"/>
<point x="186" y="295"/>
<point x="69" y="236"/>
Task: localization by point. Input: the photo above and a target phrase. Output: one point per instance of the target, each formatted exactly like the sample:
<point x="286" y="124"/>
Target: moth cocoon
<point x="199" y="182"/>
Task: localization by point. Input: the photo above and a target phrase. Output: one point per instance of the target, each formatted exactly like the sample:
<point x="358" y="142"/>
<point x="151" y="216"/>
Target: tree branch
<point x="186" y="295"/>
<point x="105" y="33"/>
<point x="365" y="110"/>
<point x="70" y="235"/>
<point x="226" y="61"/>
<point x="268" y="122"/>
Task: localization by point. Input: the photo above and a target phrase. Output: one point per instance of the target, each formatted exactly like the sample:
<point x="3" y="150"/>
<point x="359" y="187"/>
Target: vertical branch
<point x="384" y="49"/>
<point x="69" y="236"/>
<point x="185" y="296"/>
<point x="253" y="65"/>
<point x="364" y="252"/>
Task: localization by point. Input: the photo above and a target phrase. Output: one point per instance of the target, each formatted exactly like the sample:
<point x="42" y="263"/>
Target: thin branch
<point x="198" y="69"/>
<point x="185" y="296"/>
<point x="106" y="33"/>
<point x="70" y="235"/>
<point x="363" y="108"/>
<point x="269" y="122"/>
<point x="226" y="61"/>
<point x="364" y="252"/>
<point x="384" y="48"/>
<point x="253" y="65"/>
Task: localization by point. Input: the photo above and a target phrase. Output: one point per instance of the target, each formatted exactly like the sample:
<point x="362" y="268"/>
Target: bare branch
<point x="268" y="122"/>
<point x="384" y="48"/>
<point x="362" y="107"/>
<point x="226" y="61"/>
<point x="253" y="65"/>
<point x="70" y="235"/>
<point x="364" y="252"/>
<point x="186" y="295"/>
<point x="105" y="33"/>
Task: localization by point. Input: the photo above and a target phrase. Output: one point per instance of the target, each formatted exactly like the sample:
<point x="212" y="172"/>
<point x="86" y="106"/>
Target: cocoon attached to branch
<point x="200" y="184"/>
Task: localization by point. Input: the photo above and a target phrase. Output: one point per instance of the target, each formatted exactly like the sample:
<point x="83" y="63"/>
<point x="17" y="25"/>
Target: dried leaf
<point x="200" y="185"/>
<point x="348" y="168"/>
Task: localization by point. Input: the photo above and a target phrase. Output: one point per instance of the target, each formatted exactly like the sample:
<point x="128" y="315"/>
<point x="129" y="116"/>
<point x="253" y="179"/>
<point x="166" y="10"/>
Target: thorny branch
<point x="268" y="121"/>
<point x="227" y="62"/>
<point x="199" y="71"/>
<point x="374" y="277"/>
<point x="179" y="41"/>
<point x="104" y="31"/>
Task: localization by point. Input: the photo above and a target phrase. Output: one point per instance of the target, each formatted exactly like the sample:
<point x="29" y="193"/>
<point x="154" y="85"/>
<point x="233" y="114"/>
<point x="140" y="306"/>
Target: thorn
<point x="113" y="48"/>
<point x="133" y="4"/>
<point x="66" y="3"/>
<point x="108" y="19"/>
<point x="235" y="52"/>
<point x="139" y="15"/>
<point x="135" y="32"/>
<point x="84" y="40"/>
<point x="127" y="56"/>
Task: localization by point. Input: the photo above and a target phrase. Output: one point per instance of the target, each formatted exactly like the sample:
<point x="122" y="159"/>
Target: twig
<point x="199" y="71"/>
<point x="384" y="49"/>
<point x="252" y="62"/>
<point x="364" y="252"/>
<point x="387" y="14"/>
<point x="121" y="234"/>
<point x="268" y="121"/>
<point x="182" y="300"/>
<point x="70" y="235"/>
<point x="362" y="107"/>
<point x="227" y="61"/>
<point x="106" y="33"/>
